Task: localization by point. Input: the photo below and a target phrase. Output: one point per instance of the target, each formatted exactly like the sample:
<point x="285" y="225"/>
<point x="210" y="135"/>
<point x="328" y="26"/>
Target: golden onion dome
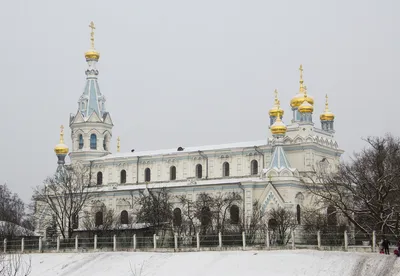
<point x="61" y="148"/>
<point x="278" y="127"/>
<point x="327" y="115"/>
<point x="92" y="54"/>
<point x="306" y="107"/>
<point x="299" y="98"/>
<point x="276" y="109"/>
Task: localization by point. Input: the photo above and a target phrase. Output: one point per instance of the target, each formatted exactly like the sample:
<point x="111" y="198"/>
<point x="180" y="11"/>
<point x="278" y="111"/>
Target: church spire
<point x="92" y="100"/>
<point x="91" y="127"/>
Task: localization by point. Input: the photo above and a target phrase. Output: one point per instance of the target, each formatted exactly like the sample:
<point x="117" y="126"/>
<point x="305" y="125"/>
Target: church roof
<point x="250" y="144"/>
<point x="279" y="160"/>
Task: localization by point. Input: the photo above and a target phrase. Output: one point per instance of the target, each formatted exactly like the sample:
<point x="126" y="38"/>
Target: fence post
<point x="155" y="241"/>
<point x="134" y="241"/>
<point x="22" y="245"/>
<point x="346" y="243"/>
<point x="95" y="242"/>
<point x="5" y="245"/>
<point x="76" y="243"/>
<point x="58" y="243"/>
<point x="176" y="241"/>
<point x="198" y="241"/>
<point x="293" y="236"/>
<point x="244" y="240"/>
<point x="40" y="244"/>
<point x="220" y="239"/>
<point x="319" y="239"/>
<point x="114" y="243"/>
<point x="267" y="239"/>
<point x="373" y="241"/>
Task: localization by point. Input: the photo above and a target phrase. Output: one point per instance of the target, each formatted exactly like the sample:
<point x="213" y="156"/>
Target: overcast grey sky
<point x="187" y="73"/>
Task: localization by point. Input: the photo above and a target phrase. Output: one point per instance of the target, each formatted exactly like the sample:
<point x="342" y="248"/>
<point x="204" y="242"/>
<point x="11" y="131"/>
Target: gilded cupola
<point x="327" y="115"/>
<point x="92" y="54"/>
<point x="278" y="128"/>
<point x="61" y="148"/>
<point x="299" y="98"/>
<point x="276" y="108"/>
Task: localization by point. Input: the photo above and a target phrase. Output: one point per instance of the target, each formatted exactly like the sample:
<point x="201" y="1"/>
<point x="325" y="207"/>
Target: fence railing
<point x="295" y="239"/>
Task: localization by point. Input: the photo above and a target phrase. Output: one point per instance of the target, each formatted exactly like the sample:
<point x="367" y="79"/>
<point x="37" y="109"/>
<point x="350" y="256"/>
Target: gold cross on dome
<point x="93" y="27"/>
<point x="62" y="128"/>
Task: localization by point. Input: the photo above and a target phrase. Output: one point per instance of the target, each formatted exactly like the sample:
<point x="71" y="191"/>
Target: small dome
<point x="306" y="107"/>
<point x="300" y="98"/>
<point x="327" y="115"/>
<point x="278" y="128"/>
<point x="92" y="55"/>
<point x="61" y="148"/>
<point x="276" y="109"/>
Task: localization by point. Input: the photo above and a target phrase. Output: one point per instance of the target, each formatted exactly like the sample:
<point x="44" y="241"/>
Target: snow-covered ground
<point x="254" y="263"/>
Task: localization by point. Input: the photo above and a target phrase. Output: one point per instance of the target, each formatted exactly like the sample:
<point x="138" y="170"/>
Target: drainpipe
<point x="244" y="217"/>
<point x="260" y="152"/>
<point x="205" y="157"/>
<point x="137" y="170"/>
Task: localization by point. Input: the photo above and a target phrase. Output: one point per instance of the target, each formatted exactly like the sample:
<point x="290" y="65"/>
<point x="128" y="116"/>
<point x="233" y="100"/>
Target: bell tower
<point x="91" y="126"/>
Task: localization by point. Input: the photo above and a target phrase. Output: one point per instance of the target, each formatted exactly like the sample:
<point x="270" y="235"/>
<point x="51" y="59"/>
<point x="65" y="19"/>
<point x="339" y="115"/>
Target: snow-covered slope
<point x="254" y="263"/>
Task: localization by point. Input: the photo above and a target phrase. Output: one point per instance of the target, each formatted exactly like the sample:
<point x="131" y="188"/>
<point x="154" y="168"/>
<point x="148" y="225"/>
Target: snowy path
<point x="274" y="263"/>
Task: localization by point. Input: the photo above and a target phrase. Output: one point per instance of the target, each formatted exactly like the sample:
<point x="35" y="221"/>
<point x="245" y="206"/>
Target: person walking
<point x="385" y="245"/>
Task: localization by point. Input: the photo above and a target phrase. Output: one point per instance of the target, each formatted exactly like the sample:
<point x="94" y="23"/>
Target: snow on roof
<point x="186" y="150"/>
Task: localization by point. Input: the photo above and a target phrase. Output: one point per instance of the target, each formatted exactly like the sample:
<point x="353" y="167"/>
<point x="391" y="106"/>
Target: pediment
<point x="78" y="118"/>
<point x="271" y="198"/>
<point x="94" y="118"/>
<point x="107" y="119"/>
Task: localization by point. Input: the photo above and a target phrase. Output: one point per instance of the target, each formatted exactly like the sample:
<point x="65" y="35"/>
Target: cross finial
<point x="118" y="144"/>
<point x="276" y="96"/>
<point x="326" y="102"/>
<point x="61" y="134"/>
<point x="301" y="78"/>
<point x="93" y="27"/>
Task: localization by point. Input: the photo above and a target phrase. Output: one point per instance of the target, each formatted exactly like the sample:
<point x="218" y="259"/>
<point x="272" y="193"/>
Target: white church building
<point x="269" y="170"/>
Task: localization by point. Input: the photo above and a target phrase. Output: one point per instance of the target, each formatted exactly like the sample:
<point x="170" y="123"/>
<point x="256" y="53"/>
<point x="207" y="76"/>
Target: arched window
<point x="99" y="178"/>
<point x="331" y="215"/>
<point x="123" y="176"/>
<point x="172" y="173"/>
<point x="124" y="217"/>
<point x="147" y="175"/>
<point x="99" y="218"/>
<point x="199" y="171"/>
<point x="298" y="214"/>
<point x="177" y="217"/>
<point x="75" y="221"/>
<point x="254" y="167"/>
<point x="225" y="169"/>
<point x="93" y="141"/>
<point x="205" y="217"/>
<point x="80" y="140"/>
<point x="105" y="143"/>
<point x="234" y="212"/>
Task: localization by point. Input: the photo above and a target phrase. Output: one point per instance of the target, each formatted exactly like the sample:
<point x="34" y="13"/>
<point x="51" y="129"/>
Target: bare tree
<point x="255" y="225"/>
<point x="12" y="215"/>
<point x="365" y="190"/>
<point x="222" y="204"/>
<point x="188" y="224"/>
<point x="155" y="208"/>
<point x="63" y="196"/>
<point x="281" y="221"/>
<point x="15" y="264"/>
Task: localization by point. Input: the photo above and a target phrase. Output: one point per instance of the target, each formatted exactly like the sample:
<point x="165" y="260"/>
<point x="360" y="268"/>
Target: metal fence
<point x="297" y="239"/>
